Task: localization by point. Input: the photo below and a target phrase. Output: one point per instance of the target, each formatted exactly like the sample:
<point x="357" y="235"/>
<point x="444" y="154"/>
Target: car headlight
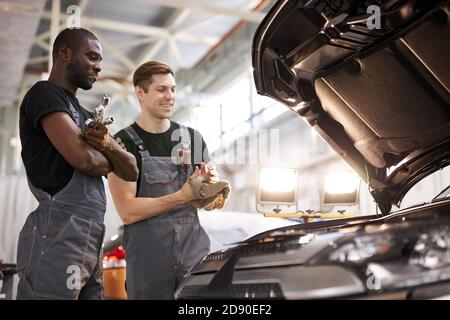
<point x="395" y="259"/>
<point x="429" y="248"/>
<point x="362" y="248"/>
<point x="432" y="250"/>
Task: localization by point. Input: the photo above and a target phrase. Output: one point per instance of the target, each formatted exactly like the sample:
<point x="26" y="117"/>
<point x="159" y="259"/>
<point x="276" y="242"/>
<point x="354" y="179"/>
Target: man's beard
<point x="77" y="76"/>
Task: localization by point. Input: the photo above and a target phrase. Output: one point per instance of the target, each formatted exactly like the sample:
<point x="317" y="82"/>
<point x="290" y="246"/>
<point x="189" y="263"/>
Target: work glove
<point x="210" y="195"/>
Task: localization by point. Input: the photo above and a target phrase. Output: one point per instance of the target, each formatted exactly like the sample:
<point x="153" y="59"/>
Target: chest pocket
<point x="160" y="183"/>
<point x="161" y="177"/>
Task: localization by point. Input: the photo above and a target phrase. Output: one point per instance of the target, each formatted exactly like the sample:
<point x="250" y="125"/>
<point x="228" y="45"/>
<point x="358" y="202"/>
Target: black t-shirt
<point x="161" y="144"/>
<point x="45" y="166"/>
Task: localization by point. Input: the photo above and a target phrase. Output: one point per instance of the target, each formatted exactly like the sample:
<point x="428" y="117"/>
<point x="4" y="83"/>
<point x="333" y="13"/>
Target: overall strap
<point x="185" y="153"/>
<point x="137" y="141"/>
<point x="185" y="138"/>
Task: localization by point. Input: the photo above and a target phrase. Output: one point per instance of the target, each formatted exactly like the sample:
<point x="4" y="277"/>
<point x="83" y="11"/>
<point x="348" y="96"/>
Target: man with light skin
<point x="162" y="235"/>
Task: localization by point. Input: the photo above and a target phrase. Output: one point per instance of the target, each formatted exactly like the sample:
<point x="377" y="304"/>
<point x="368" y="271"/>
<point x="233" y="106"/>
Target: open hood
<point x="376" y="88"/>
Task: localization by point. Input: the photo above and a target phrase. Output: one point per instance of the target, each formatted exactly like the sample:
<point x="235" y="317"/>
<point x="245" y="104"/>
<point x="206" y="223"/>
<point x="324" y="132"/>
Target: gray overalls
<point x="161" y="250"/>
<point x="59" y="248"/>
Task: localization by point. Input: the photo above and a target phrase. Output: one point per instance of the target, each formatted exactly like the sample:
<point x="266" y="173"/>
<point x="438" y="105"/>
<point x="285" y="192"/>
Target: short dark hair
<point x="72" y="38"/>
<point x="143" y="75"/>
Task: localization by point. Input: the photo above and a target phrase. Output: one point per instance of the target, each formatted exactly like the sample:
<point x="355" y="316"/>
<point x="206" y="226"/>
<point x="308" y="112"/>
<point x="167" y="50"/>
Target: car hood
<point x="378" y="96"/>
<point x="405" y="254"/>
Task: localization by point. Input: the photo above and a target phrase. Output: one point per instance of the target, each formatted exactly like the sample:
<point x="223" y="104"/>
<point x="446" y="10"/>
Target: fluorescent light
<point x="278" y="180"/>
<point x="341" y="182"/>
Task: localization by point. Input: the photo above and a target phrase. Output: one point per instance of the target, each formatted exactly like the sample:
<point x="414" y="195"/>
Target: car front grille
<point x="253" y="250"/>
<point x="269" y="248"/>
<point x="217" y="256"/>
<point x="234" y="291"/>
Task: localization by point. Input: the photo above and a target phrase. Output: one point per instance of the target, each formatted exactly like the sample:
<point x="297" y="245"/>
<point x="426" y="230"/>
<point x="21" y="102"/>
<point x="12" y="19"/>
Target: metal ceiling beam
<point x="40" y="59"/>
<point x="179" y="18"/>
<point x="44" y="35"/>
<point x="163" y="36"/>
<point x="135" y="42"/>
<point x="132" y="28"/>
<point x="83" y="4"/>
<point x="117" y="53"/>
<point x="174" y="51"/>
<point x="44" y="45"/>
<point x="113" y="25"/>
<point x="126" y="27"/>
<point x="194" y="38"/>
<point x="54" y="27"/>
<point x="153" y="49"/>
<point x="207" y="6"/>
<point x="200" y="24"/>
<point x="149" y="52"/>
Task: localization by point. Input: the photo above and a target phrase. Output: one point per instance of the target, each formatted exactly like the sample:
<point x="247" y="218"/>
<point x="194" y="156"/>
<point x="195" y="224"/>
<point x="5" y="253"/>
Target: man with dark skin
<point x="59" y="248"/>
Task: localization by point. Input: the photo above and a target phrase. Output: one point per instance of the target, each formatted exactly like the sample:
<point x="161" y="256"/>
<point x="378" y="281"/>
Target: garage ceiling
<point x="18" y="22"/>
<point x="178" y="32"/>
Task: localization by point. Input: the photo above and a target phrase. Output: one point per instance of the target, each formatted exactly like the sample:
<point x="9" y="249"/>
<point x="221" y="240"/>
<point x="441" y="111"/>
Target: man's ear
<point x="139" y="92"/>
<point x="64" y="53"/>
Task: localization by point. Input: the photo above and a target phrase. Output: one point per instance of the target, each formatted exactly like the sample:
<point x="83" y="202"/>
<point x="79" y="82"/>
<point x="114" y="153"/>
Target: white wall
<point x="16" y="202"/>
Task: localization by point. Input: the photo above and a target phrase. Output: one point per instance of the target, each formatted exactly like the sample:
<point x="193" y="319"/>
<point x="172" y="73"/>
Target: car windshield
<point x="430" y="189"/>
<point x="445" y="194"/>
